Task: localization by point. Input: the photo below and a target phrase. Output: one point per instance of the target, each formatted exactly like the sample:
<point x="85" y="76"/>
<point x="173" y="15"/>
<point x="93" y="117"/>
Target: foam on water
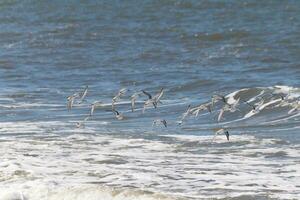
<point x="36" y="190"/>
<point x="54" y="160"/>
<point x="181" y="165"/>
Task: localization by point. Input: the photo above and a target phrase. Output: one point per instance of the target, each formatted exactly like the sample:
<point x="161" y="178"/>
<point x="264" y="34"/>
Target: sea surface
<point x="247" y="50"/>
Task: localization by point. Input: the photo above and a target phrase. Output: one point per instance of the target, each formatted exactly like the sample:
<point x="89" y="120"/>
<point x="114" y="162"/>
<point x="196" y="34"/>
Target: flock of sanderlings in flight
<point x="154" y="101"/>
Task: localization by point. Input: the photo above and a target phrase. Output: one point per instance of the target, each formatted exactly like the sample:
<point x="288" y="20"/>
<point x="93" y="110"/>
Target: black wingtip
<point x="227" y="135"/>
<point x="165" y="123"/>
<point x="146" y="93"/>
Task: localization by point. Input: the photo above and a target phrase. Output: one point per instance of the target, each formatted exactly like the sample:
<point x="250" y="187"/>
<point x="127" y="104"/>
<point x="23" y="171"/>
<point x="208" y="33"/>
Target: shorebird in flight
<point x="118" y="115"/>
<point x="164" y="122"/>
<point x="116" y="98"/>
<point x="81" y="124"/>
<point x="185" y="114"/>
<point x="215" y="98"/>
<point x="228" y="107"/>
<point x="94" y="106"/>
<point x="197" y="109"/>
<point x="152" y="100"/>
<point x="221" y="131"/>
<point x="257" y="107"/>
<point x="284" y="100"/>
<point x="71" y="100"/>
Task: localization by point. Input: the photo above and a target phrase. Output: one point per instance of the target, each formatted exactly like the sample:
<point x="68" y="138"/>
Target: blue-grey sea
<point x="247" y="51"/>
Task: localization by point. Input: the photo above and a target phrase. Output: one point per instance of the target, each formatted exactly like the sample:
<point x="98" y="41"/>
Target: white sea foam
<point x="54" y="160"/>
<point x="82" y="165"/>
<point x="36" y="190"/>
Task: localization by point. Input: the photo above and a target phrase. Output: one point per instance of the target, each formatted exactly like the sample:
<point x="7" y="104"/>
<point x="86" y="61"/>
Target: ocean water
<point x="193" y="49"/>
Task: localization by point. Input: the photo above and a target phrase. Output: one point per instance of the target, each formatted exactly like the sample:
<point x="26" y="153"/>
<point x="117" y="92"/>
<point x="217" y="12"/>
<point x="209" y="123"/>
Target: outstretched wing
<point x="164" y="123"/>
<point x="227" y="135"/>
<point x="132" y="104"/>
<point x="70" y="102"/>
<point x="116" y="112"/>
<point x="84" y="93"/>
<point x="122" y="92"/>
<point x="92" y="110"/>
<point x="187" y="112"/>
<point x="146" y="93"/>
<point x="159" y="95"/>
<point x="208" y="108"/>
<point x="220" y="114"/>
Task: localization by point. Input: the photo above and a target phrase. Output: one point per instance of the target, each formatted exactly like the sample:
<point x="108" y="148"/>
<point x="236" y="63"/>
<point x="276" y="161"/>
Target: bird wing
<point x="116" y="98"/>
<point x="122" y="92"/>
<point x="219" y="131"/>
<point x="215" y="98"/>
<point x="146" y="93"/>
<point x="197" y="112"/>
<point x="115" y="111"/>
<point x="82" y="97"/>
<point x="227" y="135"/>
<point x="184" y="115"/>
<point x="236" y="102"/>
<point x="187" y="112"/>
<point x="164" y="123"/>
<point x="292" y="110"/>
<point x="154" y="103"/>
<point x="92" y="110"/>
<point x="249" y="104"/>
<point x="159" y="95"/>
<point x="154" y="122"/>
<point x="70" y="102"/>
<point x="220" y="114"/>
<point x="132" y="104"/>
<point x="208" y="107"/>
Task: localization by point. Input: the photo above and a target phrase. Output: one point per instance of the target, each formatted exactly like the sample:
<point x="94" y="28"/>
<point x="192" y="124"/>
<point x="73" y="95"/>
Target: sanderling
<point x="94" y="106"/>
<point x="164" y="122"/>
<point x="70" y="100"/>
<point x="257" y="106"/>
<point x="152" y="100"/>
<point x="149" y="101"/>
<point x="81" y="124"/>
<point x="116" y="98"/>
<point x="185" y="114"/>
<point x="118" y="115"/>
<point x="197" y="109"/>
<point x="228" y="107"/>
<point x="221" y="131"/>
<point x="215" y="98"/>
<point x="284" y="100"/>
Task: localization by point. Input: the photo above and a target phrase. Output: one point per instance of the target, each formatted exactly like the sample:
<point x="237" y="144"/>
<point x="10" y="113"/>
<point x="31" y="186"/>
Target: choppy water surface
<point x="242" y="49"/>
